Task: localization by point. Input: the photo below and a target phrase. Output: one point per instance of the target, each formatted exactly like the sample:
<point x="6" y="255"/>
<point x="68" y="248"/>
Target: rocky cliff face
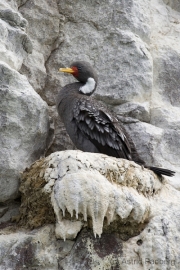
<point x="134" y="46"/>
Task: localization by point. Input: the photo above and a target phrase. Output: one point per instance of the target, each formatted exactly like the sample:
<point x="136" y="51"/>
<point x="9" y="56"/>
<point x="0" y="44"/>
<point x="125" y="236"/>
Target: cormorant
<point x="91" y="127"/>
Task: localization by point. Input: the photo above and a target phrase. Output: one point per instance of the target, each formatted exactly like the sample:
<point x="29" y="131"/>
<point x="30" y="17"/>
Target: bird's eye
<point x="79" y="67"/>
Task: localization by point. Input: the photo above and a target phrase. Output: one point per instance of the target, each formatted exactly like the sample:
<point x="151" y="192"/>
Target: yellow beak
<point x="68" y="70"/>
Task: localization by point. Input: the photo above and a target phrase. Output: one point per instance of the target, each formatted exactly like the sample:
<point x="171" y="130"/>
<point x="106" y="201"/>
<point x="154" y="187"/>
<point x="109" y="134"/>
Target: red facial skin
<point x="75" y="73"/>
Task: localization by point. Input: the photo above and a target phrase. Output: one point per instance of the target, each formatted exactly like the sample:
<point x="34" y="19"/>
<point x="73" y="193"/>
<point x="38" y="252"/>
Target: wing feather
<point x="102" y="129"/>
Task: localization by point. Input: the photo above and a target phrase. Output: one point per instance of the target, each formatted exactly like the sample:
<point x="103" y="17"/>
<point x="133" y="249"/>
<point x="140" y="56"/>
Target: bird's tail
<point x="161" y="171"/>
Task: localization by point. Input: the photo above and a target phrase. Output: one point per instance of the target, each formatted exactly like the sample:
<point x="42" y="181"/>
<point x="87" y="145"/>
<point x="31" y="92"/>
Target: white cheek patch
<point x="88" y="87"/>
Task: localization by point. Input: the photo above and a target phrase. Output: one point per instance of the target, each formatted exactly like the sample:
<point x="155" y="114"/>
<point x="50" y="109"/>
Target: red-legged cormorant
<point x="91" y="127"/>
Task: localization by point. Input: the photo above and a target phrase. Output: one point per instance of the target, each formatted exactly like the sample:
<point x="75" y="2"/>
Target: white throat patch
<point x="88" y="87"/>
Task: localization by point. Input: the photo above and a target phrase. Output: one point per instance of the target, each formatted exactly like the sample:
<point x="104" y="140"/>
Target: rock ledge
<point x="76" y="189"/>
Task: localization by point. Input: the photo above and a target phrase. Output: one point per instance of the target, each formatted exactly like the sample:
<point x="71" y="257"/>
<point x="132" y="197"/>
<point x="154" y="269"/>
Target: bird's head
<point x="85" y="74"/>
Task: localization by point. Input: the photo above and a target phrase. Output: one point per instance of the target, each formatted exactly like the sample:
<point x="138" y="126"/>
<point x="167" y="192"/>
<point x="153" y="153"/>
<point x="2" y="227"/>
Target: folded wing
<point x="102" y="129"/>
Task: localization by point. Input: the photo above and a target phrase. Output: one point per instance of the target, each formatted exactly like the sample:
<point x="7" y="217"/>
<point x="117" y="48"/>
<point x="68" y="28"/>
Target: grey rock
<point x="174" y="4"/>
<point x="8" y="5"/>
<point x="166" y="117"/>
<point x="13" y="18"/>
<point x="157" y="146"/>
<point x="15" y="44"/>
<point x="20" y="3"/>
<point x="44" y="31"/>
<point x="167" y="79"/>
<point x="23" y="127"/>
<point x="37" y="249"/>
<point x="27" y="44"/>
<point x="100" y="253"/>
<point x="8" y="212"/>
<point x="151" y="137"/>
<point x="137" y="110"/>
<point x="103" y="15"/>
<point x="3" y="210"/>
<point x="131" y="79"/>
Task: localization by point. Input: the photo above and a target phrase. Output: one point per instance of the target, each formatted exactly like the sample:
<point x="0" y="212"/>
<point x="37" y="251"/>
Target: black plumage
<point x="92" y="127"/>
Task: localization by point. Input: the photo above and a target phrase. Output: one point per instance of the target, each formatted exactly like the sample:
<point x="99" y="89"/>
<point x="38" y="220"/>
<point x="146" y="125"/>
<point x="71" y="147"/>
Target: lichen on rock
<point x="36" y="209"/>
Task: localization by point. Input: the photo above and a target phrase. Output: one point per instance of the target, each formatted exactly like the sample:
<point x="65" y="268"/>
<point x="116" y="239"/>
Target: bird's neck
<point x="75" y="90"/>
<point x="68" y="93"/>
<point x="89" y="87"/>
